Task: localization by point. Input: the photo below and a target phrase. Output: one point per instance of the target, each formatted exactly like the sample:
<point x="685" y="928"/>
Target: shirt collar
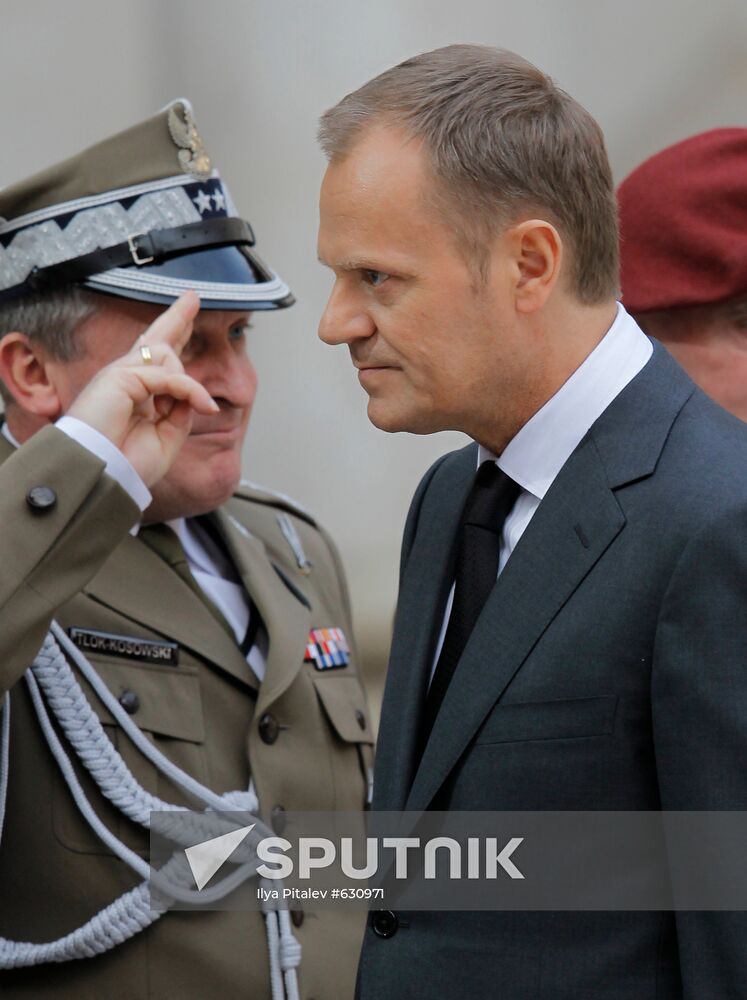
<point x="535" y="456"/>
<point x="5" y="431"/>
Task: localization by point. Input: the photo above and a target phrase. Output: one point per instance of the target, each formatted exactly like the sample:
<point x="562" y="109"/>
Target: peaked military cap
<point x="142" y="215"/>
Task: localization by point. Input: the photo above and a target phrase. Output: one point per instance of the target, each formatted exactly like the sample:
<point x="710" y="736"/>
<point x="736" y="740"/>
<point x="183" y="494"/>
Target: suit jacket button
<point x="384" y="923"/>
<point x="129" y="702"/>
<point x="269" y="728"/>
<point x="278" y="819"/>
<point x="41" y="498"/>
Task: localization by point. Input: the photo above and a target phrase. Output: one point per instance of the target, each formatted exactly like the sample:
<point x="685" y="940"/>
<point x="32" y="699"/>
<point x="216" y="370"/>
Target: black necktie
<point x="490" y="500"/>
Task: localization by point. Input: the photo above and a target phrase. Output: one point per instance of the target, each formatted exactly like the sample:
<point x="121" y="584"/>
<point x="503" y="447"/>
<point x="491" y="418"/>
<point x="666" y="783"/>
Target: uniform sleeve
<point x="699" y="710"/>
<point x="52" y="540"/>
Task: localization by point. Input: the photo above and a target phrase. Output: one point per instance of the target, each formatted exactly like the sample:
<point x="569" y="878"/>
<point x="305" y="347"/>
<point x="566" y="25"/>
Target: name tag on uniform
<point x="128" y="647"/>
<point x="327" y="648"/>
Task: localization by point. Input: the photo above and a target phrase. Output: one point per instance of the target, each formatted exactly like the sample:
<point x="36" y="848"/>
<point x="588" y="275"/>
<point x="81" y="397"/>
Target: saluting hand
<point x="143" y="402"/>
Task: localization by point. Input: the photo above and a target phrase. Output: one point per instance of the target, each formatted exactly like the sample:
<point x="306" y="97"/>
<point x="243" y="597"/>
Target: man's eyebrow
<point x="352" y="264"/>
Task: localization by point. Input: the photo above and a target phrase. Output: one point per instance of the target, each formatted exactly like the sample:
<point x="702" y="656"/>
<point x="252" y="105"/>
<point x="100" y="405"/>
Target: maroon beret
<point x="683" y="224"/>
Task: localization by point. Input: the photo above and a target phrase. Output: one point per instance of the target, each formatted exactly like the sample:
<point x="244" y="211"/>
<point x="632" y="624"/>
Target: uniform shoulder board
<point x="261" y="494"/>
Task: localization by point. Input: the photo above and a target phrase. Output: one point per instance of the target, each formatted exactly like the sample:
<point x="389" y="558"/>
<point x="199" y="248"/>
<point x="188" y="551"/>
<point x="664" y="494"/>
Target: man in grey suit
<point x="571" y="629"/>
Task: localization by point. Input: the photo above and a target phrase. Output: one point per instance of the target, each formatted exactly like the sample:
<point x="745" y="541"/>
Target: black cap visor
<point x="228" y="277"/>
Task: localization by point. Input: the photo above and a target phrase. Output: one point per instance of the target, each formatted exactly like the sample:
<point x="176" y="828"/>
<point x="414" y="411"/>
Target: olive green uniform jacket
<point x="76" y="560"/>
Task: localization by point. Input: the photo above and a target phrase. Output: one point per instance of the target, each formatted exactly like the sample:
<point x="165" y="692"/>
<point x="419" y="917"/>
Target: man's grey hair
<point x="50" y="320"/>
<point x="502" y="140"/>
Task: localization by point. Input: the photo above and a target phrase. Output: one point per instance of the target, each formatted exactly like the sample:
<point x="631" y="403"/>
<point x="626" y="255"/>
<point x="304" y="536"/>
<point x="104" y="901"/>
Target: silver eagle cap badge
<point x="193" y="156"/>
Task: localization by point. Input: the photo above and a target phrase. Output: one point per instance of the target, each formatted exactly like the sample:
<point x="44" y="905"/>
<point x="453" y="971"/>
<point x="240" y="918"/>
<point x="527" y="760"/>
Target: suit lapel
<point x="286" y="618"/>
<point x="574" y="524"/>
<point x="423" y="592"/>
<point x="163" y="602"/>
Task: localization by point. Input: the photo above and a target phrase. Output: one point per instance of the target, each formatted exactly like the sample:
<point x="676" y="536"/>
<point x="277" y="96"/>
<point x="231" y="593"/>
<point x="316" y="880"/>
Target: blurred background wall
<point x="258" y="74"/>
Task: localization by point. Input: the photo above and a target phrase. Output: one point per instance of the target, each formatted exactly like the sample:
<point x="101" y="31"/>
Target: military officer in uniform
<point x="207" y="606"/>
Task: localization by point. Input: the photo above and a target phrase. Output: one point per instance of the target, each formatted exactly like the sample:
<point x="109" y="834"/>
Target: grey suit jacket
<point x="608" y="670"/>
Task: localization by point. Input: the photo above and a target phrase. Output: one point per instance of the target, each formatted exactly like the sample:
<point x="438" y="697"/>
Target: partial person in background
<point x="214" y="613"/>
<point x="571" y="624"/>
<point x="683" y="256"/>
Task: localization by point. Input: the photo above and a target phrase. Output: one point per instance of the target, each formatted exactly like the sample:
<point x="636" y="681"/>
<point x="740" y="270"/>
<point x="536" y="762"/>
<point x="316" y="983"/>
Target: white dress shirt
<point x="534" y="457"/>
<point x="211" y="567"/>
<point x="209" y="564"/>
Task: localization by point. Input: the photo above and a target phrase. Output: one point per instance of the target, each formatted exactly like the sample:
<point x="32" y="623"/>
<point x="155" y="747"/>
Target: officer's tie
<point x="165" y="543"/>
<point x="255" y="621"/>
<point x="490" y="500"/>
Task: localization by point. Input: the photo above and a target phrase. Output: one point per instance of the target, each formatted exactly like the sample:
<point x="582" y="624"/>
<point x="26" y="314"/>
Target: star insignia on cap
<point x="218" y="200"/>
<point x="202" y="201"/>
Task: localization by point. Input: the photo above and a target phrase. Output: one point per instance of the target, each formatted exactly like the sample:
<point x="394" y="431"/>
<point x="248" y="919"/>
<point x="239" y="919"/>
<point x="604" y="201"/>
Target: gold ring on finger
<point x="146" y="355"/>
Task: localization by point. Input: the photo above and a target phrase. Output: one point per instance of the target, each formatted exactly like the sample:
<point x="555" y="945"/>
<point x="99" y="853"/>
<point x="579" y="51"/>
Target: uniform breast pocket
<point x="343" y="705"/>
<point x="548" y="720"/>
<point x="166" y="705"/>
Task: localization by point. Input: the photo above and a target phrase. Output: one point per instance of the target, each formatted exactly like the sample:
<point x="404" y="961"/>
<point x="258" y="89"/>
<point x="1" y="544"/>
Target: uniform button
<point x="269" y="728"/>
<point x="278" y="819"/>
<point x="360" y="718"/>
<point x="40" y="498"/>
<point x="297" y="917"/>
<point x="129" y="702"/>
<point x="384" y="923"/>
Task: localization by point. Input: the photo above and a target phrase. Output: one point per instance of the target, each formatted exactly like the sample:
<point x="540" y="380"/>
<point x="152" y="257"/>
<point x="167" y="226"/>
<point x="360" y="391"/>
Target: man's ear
<point x="24" y="368"/>
<point x="537" y="255"/>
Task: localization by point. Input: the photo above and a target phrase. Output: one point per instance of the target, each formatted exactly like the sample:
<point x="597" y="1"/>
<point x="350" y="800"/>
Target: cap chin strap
<point x="52" y="683"/>
<point x="139" y="249"/>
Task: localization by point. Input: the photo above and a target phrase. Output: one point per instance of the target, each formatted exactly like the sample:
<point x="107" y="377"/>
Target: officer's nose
<point x="344" y="319"/>
<point x="230" y="375"/>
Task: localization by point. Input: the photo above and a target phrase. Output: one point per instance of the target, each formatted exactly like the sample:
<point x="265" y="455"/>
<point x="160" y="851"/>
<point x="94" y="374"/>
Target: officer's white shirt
<point x="208" y="564"/>
<point x="214" y="572"/>
<point x="534" y="457"/>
